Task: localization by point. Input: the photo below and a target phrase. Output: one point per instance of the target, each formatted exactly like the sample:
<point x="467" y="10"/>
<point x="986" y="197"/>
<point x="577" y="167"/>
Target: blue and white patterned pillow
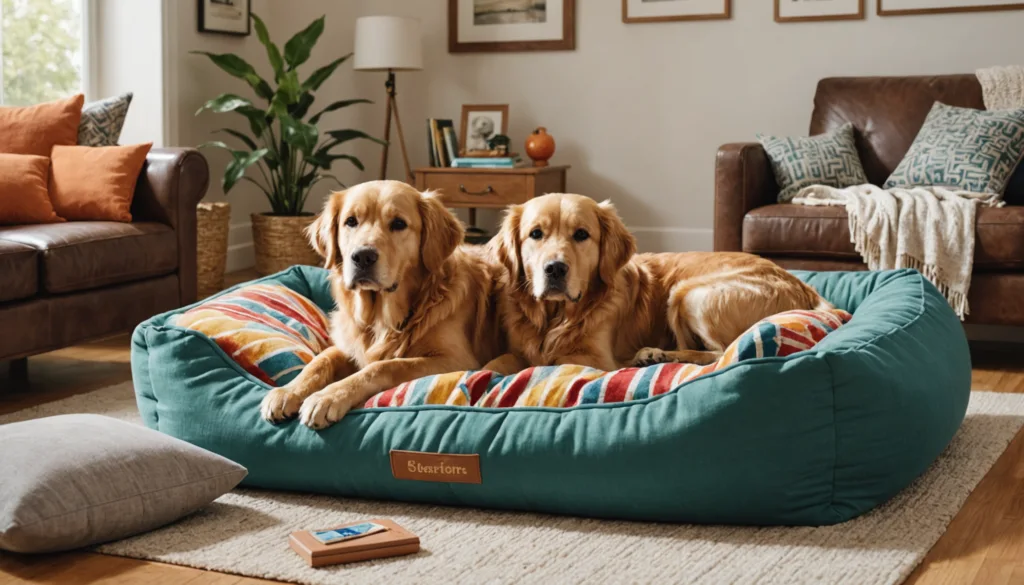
<point x="827" y="159"/>
<point x="963" y="148"/>
<point x="102" y="121"/>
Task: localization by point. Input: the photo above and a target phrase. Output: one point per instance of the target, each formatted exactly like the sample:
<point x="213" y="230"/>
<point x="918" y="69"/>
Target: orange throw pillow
<point x="37" y="129"/>
<point x="23" y="195"/>
<point x="95" y="182"/>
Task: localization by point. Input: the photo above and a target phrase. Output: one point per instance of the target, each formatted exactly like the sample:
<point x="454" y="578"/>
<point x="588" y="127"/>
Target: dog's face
<point x="558" y="246"/>
<point x="373" y="233"/>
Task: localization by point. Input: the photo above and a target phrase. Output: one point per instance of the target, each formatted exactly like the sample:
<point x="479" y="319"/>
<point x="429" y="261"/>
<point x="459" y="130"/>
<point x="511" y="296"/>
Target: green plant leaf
<point x="225" y="102"/>
<point x="336" y="106"/>
<point x="240" y="161"/>
<point x="289" y="88"/>
<point x="298" y="134"/>
<point x="273" y="53"/>
<point x="298" y="48"/>
<point x="257" y="119"/>
<point x="325" y="161"/>
<point x="299" y="109"/>
<point x="245" y="139"/>
<point x="341" y="136"/>
<point x="320" y="75"/>
<point x="238" y="67"/>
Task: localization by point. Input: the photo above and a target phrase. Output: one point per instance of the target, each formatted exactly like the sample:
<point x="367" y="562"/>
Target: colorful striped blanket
<point x="272" y="332"/>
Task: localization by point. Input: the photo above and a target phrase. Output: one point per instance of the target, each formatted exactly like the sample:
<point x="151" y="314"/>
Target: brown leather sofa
<point x="64" y="283"/>
<point x="887" y="113"/>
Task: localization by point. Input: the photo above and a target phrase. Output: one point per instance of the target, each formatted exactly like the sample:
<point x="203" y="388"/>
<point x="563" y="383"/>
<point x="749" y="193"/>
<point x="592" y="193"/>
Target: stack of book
<point x="507" y="162"/>
<point x="442" y="143"/>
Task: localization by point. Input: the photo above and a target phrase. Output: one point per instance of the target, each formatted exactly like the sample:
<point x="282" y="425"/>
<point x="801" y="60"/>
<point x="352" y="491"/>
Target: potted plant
<point x="289" y="151"/>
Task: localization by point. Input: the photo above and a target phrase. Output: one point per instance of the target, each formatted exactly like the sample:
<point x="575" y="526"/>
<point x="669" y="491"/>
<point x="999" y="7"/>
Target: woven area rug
<point x="245" y="532"/>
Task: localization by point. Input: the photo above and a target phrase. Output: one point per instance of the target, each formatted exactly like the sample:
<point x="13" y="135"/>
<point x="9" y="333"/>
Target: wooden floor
<point x="984" y="543"/>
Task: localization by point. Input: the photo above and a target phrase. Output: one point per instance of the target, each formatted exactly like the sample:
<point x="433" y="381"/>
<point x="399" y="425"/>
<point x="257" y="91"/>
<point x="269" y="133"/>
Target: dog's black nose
<point x="556" y="270"/>
<point x="365" y="257"/>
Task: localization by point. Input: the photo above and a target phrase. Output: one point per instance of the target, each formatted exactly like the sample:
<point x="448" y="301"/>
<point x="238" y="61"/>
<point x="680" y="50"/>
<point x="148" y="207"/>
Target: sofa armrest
<point x="172" y="182"/>
<point x="743" y="181"/>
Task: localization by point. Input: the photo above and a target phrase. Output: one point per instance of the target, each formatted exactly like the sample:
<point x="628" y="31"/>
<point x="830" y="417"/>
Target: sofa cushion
<point x="824" y="232"/>
<point x="887" y="112"/>
<point x="19" y="274"/>
<point x="89" y="254"/>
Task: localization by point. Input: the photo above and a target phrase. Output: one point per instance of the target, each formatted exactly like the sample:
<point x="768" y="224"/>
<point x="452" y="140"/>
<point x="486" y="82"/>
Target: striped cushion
<point x="566" y="386"/>
<point x="269" y="330"/>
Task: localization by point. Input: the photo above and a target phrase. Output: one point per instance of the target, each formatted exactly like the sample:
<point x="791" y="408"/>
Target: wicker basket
<point x="213" y="222"/>
<point x="280" y="242"/>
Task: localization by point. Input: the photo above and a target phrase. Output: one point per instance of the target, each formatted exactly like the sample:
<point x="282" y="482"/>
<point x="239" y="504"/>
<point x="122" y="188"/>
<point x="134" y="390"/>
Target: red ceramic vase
<point x="540" y="146"/>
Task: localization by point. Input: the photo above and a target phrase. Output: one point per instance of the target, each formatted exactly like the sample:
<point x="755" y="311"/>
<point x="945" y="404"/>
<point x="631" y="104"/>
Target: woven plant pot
<point x="279" y="242"/>
<point x="213" y="222"/>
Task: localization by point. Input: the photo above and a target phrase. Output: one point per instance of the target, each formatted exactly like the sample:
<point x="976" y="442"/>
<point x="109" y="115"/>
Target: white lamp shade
<point x="388" y="42"/>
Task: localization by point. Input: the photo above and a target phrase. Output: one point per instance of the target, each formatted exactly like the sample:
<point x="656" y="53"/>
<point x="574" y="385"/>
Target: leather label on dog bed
<point x="443" y="467"/>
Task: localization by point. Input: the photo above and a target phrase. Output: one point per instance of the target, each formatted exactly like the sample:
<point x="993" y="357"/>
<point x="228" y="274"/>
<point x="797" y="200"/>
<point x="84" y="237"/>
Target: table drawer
<point x="479" y="190"/>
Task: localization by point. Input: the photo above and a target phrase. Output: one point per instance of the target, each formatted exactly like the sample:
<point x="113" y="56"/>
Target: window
<point x="43" y="47"/>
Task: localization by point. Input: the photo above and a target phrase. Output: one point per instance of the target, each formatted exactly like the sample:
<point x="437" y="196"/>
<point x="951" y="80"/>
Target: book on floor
<point x="353" y="542"/>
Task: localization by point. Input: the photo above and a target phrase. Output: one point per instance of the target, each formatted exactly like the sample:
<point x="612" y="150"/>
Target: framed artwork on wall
<point x="228" y="17"/>
<point x="901" y="7"/>
<point x="816" y="10"/>
<point x="491" y="26"/>
<point x="669" y="10"/>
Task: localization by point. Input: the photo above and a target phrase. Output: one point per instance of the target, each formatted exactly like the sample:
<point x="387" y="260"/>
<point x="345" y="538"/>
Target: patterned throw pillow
<point x="567" y="386"/>
<point x="269" y="330"/>
<point x="962" y="148"/>
<point x="827" y="159"/>
<point x="102" y="121"/>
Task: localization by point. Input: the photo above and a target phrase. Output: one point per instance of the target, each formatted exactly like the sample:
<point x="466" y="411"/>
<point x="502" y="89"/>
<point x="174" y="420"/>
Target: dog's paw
<point x="323" y="409"/>
<point x="650" y="356"/>
<point x="279" y="405"/>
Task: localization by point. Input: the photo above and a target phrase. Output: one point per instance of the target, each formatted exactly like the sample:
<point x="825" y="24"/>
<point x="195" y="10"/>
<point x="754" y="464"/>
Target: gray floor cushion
<point x="74" y="480"/>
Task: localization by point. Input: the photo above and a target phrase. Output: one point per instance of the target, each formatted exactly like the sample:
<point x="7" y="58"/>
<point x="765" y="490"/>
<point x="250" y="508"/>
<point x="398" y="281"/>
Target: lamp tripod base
<point x="392" y="110"/>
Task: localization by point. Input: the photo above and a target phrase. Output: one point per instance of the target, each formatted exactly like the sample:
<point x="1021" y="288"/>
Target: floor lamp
<point x="389" y="43"/>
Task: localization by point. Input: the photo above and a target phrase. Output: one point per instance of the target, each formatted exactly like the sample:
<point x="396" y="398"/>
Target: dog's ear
<point x="506" y="243"/>
<point x="617" y="244"/>
<point x="323" y="232"/>
<point x="442" y="232"/>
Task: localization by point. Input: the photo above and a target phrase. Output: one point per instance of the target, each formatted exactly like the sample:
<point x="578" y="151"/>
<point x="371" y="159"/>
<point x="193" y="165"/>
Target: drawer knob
<point x="489" y="189"/>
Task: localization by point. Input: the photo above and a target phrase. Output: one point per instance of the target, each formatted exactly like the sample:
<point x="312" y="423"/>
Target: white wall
<point x="639" y="110"/>
<point x="191" y="81"/>
<point x="128" y="59"/>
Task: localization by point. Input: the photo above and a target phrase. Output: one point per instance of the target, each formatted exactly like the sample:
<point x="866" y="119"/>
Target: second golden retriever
<point x="575" y="292"/>
<point x="410" y="301"/>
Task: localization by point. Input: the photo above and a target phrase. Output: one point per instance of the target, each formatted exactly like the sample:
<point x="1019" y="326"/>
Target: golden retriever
<point x="575" y="292"/>
<point x="410" y="301"/>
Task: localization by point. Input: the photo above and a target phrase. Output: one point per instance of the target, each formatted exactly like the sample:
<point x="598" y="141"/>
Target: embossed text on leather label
<point x="442" y="467"/>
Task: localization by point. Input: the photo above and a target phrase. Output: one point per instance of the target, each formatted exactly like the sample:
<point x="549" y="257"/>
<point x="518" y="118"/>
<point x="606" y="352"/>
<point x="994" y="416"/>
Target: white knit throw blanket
<point x="930" y="229"/>
<point x="1002" y="88"/>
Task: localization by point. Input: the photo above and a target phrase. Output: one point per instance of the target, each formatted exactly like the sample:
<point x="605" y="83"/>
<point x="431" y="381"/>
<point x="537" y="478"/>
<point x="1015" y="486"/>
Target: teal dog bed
<point x="817" y="437"/>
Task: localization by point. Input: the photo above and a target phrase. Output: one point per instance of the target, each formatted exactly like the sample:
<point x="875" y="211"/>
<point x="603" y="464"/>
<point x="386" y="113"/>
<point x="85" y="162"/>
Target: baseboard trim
<point x="659" y="239"/>
<point x="241" y="254"/>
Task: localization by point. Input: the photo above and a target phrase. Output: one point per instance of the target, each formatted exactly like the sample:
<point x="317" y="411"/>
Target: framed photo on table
<point x="492" y="26"/>
<point x="480" y="123"/>
<point x="901" y="7"/>
<point x="669" y="10"/>
<point x="228" y="17"/>
<point x="817" y="10"/>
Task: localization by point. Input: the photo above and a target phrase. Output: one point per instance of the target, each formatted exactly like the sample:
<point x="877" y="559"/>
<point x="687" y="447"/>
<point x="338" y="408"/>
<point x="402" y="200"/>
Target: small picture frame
<point x="635" y="11"/>
<point x="818" y="10"/>
<point x="480" y="123"/>
<point x="226" y="17"/>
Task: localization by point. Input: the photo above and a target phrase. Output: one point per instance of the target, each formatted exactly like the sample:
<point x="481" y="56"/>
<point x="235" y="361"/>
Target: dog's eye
<point x="580" y="235"/>
<point x="398" y="225"/>
<point x="351" y="221"/>
<point x="536" y="234"/>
